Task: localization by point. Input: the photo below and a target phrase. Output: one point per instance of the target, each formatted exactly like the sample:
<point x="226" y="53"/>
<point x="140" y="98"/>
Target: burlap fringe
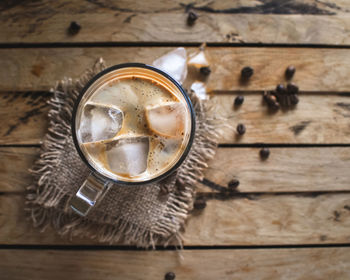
<point x="42" y="197"/>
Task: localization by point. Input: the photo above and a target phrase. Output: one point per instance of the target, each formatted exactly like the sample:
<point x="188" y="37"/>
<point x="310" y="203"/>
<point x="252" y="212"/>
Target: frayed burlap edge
<point x="42" y="197"/>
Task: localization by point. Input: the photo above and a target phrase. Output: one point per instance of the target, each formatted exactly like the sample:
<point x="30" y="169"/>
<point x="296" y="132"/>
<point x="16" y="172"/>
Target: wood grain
<point x="270" y="219"/>
<point x="297" y="215"/>
<point x="305" y="263"/>
<point x="318" y="70"/>
<point x="14" y="168"/>
<point x="165" y="21"/>
<point x="286" y="170"/>
<point x="318" y="119"/>
<point x="24" y="117"/>
<point x="239" y="220"/>
<point x="17" y="228"/>
<point x="304" y="7"/>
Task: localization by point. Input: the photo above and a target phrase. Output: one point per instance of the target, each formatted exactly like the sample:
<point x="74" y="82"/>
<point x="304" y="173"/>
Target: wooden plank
<point x="24" y="117"/>
<point x="15" y="224"/>
<point x="14" y="168"/>
<point x="234" y="22"/>
<point x="210" y="28"/>
<point x="304" y="263"/>
<point x="239" y="220"/>
<point x="157" y="6"/>
<point x="318" y="119"/>
<point x="286" y="170"/>
<point x="272" y="219"/>
<point x="318" y="70"/>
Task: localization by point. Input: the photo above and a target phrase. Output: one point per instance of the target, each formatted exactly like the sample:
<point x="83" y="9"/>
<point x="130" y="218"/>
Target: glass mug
<point x="132" y="124"/>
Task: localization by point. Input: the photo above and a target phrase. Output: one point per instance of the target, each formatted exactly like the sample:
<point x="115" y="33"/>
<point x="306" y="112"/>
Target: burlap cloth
<point x="138" y="215"/>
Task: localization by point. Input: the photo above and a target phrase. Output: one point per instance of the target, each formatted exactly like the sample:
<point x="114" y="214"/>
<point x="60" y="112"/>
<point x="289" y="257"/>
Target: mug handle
<point x="92" y="190"/>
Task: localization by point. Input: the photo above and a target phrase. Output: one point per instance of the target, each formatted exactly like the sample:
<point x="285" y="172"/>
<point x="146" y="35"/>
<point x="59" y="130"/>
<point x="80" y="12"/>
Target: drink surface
<point x="133" y="128"/>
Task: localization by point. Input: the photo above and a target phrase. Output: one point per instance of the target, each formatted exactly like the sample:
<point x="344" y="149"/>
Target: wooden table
<point x="291" y="217"/>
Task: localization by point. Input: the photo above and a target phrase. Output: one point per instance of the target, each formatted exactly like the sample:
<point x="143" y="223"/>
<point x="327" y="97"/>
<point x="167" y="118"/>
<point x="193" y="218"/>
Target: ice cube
<point x="198" y="59"/>
<point x="128" y="155"/>
<point x="100" y="122"/>
<point x="165" y="151"/>
<point x="120" y="92"/>
<point x="173" y="63"/>
<point x="167" y="119"/>
<point x="94" y="149"/>
<point x="200" y="90"/>
<point x="170" y="146"/>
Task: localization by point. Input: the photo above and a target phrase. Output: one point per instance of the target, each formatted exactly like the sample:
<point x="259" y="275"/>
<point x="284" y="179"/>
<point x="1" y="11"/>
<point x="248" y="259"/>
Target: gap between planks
<point x="165" y="44"/>
<point x="158" y="248"/>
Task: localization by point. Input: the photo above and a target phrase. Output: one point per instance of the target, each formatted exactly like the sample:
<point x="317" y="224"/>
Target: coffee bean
<point x="241" y="129"/>
<point x="247" y="72"/>
<point x="288" y="102"/>
<point x="267" y="97"/>
<point x="199" y="204"/>
<point x="294" y="99"/>
<point x="292" y="88"/>
<point x="290" y="71"/>
<point x="192" y="17"/>
<point x="282" y="97"/>
<point x="280" y="88"/>
<point x="239" y="100"/>
<point x="74" y="28"/>
<point x="264" y="153"/>
<point x="205" y="70"/>
<point x="170" y="276"/>
<point x="233" y="185"/>
<point x="275" y="106"/>
<point x="271" y="100"/>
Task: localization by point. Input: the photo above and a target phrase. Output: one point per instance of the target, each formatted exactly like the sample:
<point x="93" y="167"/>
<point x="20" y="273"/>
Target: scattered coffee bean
<point x="281" y="94"/>
<point x="199" y="204"/>
<point x="170" y="276"/>
<point x="294" y="99"/>
<point x="205" y="70"/>
<point x="247" y="72"/>
<point x="290" y="71"/>
<point x="292" y="88"/>
<point x="192" y="17"/>
<point x="241" y="129"/>
<point x="239" y="100"/>
<point x="264" y="153"/>
<point x="271" y="100"/>
<point x="275" y="106"/>
<point x="74" y="28"/>
<point x="280" y="88"/>
<point x="266" y="97"/>
<point x="233" y="185"/>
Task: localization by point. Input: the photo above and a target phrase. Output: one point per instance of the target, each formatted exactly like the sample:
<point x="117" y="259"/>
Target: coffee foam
<point x="133" y="95"/>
